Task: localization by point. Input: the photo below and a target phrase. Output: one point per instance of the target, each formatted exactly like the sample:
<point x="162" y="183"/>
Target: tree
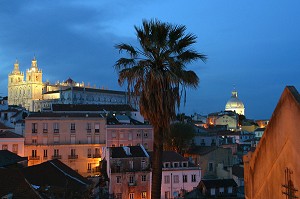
<point x="180" y="136"/>
<point x="156" y="73"/>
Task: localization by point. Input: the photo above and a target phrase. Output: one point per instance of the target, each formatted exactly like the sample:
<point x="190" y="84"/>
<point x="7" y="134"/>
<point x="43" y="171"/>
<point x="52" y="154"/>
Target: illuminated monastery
<point x="33" y="94"/>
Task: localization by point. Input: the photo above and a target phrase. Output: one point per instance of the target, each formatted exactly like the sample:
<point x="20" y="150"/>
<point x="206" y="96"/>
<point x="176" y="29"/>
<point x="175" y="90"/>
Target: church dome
<point x="235" y="104"/>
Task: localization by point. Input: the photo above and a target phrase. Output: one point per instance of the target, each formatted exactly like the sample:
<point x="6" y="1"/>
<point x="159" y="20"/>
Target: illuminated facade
<point x="73" y="138"/>
<point x="272" y="170"/>
<point x="33" y="94"/>
<point x="235" y="104"/>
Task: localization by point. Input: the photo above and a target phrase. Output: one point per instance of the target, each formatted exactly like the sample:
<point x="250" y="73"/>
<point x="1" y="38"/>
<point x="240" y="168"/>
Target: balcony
<point x="34" y="157"/>
<point x="56" y="157"/>
<point x="34" y="130"/>
<point x="96" y="155"/>
<point x="132" y="183"/>
<point x="56" y="130"/>
<point x="45" y="130"/>
<point x="72" y="131"/>
<point x="72" y="157"/>
<point x="89" y="130"/>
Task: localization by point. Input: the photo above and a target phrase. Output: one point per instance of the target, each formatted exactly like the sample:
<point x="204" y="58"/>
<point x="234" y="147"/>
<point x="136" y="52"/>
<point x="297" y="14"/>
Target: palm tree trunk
<point x="157" y="163"/>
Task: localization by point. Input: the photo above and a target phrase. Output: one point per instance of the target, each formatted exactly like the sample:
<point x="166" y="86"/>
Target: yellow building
<point x="24" y="91"/>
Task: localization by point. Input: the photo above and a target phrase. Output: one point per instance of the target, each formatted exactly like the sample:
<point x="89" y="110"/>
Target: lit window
<point x="4" y="147"/>
<point x="15" y="148"/>
<point x="144" y="194"/>
<point x="131" y="195"/>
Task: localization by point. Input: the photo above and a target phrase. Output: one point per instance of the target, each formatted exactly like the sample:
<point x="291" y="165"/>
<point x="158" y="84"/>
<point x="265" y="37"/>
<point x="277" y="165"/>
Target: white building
<point x="235" y="104"/>
<point x="178" y="175"/>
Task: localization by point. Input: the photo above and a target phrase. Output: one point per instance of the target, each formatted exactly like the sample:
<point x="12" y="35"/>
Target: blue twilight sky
<point x="252" y="44"/>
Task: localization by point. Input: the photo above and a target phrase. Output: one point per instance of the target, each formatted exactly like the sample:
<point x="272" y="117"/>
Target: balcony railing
<point x="89" y="130"/>
<point x="34" y="130"/>
<point x="132" y="183"/>
<point x="56" y="157"/>
<point x="96" y="155"/>
<point x="72" y="130"/>
<point x="34" y="157"/>
<point x="73" y="156"/>
<point x="56" y="130"/>
<point x="89" y="155"/>
<point x="45" y="130"/>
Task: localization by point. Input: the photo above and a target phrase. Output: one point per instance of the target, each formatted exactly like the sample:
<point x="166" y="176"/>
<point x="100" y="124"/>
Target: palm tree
<point x="156" y="73"/>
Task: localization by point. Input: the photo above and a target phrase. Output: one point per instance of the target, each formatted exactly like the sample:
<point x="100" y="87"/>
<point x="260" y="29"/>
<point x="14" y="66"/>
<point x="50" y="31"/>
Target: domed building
<point x="234" y="104"/>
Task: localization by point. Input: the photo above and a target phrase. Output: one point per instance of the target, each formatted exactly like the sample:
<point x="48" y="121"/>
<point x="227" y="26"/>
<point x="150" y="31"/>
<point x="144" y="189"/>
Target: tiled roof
<point x="50" y="114"/>
<point x="219" y="183"/>
<point x="8" y="158"/>
<point x="92" y="107"/>
<point x="12" y="181"/>
<point x="171" y="156"/>
<point x="9" y="134"/>
<point x="134" y="151"/>
<point x="2" y="126"/>
<point x="54" y="173"/>
<point x="96" y="90"/>
<point x="202" y="150"/>
<point x="238" y="171"/>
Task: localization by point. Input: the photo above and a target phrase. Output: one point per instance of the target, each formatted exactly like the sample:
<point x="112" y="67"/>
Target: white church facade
<point x="30" y="92"/>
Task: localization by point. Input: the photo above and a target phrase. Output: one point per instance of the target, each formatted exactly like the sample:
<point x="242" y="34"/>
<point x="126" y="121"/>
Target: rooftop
<point x="128" y="151"/>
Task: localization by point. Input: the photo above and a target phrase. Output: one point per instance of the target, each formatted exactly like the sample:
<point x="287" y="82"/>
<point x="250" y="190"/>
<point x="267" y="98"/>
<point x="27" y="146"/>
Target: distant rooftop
<point x="128" y="151"/>
<point x="72" y="115"/>
<point x="91" y="107"/>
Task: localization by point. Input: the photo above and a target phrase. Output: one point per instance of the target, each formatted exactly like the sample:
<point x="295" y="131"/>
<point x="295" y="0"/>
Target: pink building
<point x="76" y="139"/>
<point x="123" y="131"/>
<point x="128" y="170"/>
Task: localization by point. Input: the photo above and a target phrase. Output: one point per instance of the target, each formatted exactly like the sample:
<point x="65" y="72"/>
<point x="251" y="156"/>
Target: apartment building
<point x="76" y="139"/>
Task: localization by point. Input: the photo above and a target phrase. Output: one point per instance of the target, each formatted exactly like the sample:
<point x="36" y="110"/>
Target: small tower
<point x="34" y="74"/>
<point x="15" y="80"/>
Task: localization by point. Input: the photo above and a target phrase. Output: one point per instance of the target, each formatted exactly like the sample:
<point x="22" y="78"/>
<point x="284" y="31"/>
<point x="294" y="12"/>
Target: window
<point x="221" y="190"/>
<point x="73" y="152"/>
<point x="45" y="127"/>
<point x="167" y="165"/>
<point x="88" y="127"/>
<point x="144" y="178"/>
<point x="15" y="148"/>
<point x="193" y="178"/>
<point x="176" y="178"/>
<point x="121" y="145"/>
<point x="144" y="194"/>
<point x="167" y="179"/>
<point x="184" y="164"/>
<point x="131" y="195"/>
<point x="45" y="153"/>
<point x="56" y="139"/>
<point x="138" y="135"/>
<point x="131" y="179"/>
<point x="56" y="127"/>
<point x="4" y="147"/>
<point x="89" y="167"/>
<point x="97" y="128"/>
<point x="210" y="166"/>
<point x="89" y="153"/>
<point x="229" y="189"/>
<point x="130" y="164"/>
<point x="184" y="178"/>
<point x="118" y="179"/>
<point x="97" y="152"/>
<point x="34" y="127"/>
<point x="119" y="196"/>
<point x="34" y="141"/>
<point x="33" y="153"/>
<point x="56" y="152"/>
<point x="145" y="135"/>
<point x="113" y="135"/>
<point x="212" y="191"/>
<point x="113" y="145"/>
<point x="72" y="127"/>
<point x="167" y="194"/>
<point x="175" y="164"/>
<point x="145" y="145"/>
<point x="143" y="164"/>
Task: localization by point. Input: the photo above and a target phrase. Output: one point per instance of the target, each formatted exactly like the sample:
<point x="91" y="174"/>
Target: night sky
<point x="254" y="45"/>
